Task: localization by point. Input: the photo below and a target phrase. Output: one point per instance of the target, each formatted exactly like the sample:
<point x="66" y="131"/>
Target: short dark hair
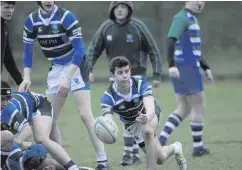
<point x="119" y="61"/>
<point x="9" y="2"/>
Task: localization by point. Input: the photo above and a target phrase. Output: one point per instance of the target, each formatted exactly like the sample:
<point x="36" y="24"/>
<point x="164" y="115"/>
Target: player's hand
<point x="64" y="86"/>
<point x="209" y="75"/>
<point x="142" y="118"/>
<point x="156" y="83"/>
<point x="174" y="72"/>
<point x="24" y="86"/>
<point x="49" y="167"/>
<point x="91" y="77"/>
<point x="25" y="145"/>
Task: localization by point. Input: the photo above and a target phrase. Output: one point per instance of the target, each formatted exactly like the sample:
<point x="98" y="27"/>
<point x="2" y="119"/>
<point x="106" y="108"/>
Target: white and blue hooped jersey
<point x="20" y="110"/>
<point x="128" y="106"/>
<point x="54" y="34"/>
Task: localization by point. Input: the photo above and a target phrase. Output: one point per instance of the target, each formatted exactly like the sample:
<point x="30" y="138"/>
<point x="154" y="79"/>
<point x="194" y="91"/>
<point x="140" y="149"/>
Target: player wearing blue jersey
<point x="133" y="100"/>
<point x="185" y="59"/>
<point x="19" y="109"/>
<point x="59" y="35"/>
<point x="33" y="157"/>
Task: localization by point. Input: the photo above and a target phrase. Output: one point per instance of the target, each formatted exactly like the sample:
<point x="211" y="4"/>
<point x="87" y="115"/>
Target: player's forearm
<point x="149" y="105"/>
<point x="71" y="71"/>
<point x="204" y="64"/>
<point x="27" y="73"/>
<point x="171" y="51"/>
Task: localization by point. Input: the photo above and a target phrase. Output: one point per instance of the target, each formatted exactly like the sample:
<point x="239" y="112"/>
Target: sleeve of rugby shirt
<point x="29" y="36"/>
<point x="71" y="24"/>
<point x="177" y="28"/>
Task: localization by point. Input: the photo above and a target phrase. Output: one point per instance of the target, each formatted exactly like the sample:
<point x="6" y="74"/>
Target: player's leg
<point x="57" y="103"/>
<point x="128" y="148"/>
<point x="80" y="86"/>
<point x="42" y="124"/>
<point x="174" y="119"/>
<point x="83" y="103"/>
<point x="54" y="76"/>
<point x="197" y="103"/>
<point x="155" y="153"/>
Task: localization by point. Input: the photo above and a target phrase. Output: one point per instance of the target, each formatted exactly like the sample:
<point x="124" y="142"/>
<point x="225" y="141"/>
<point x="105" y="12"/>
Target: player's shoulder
<point x="138" y="22"/>
<point x="105" y="25"/>
<point x="181" y="15"/>
<point x="63" y="12"/>
<point x="33" y="16"/>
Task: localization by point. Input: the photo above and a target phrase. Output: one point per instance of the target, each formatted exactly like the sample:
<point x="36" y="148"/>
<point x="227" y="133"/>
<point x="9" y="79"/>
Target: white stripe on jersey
<point x="56" y="47"/>
<point x="51" y="35"/>
<point x="63" y="56"/>
<point x="79" y="35"/>
<point x="119" y="101"/>
<point x="27" y="29"/>
<point x="136" y="95"/>
<point x="28" y="39"/>
<point x="12" y="116"/>
<point x="51" y="22"/>
<point x="139" y="85"/>
<point x="17" y="102"/>
<point x="22" y="125"/>
<point x="107" y="105"/>
<point x="26" y="104"/>
<point x="74" y="23"/>
<point x="31" y="19"/>
<point x="64" y="16"/>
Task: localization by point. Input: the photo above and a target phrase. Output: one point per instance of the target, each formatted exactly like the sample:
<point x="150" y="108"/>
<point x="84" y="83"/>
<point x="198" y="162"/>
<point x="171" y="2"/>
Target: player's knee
<point x="161" y="158"/>
<point x="7" y="139"/>
<point x="147" y="133"/>
<point x="39" y="139"/>
<point x="160" y="161"/>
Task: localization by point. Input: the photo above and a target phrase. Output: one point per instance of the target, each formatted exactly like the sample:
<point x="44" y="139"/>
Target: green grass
<point x="222" y="133"/>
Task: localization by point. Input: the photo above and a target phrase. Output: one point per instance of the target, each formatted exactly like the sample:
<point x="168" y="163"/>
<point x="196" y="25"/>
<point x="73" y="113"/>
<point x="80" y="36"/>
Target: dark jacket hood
<point x="115" y="3"/>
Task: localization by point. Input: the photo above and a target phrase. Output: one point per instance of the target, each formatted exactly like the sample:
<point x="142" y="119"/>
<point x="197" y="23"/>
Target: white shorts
<point x="135" y="130"/>
<point x="57" y="73"/>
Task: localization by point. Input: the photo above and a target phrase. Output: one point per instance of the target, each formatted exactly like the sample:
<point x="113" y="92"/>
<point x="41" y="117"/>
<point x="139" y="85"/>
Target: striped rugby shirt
<point x="20" y="110"/>
<point x="185" y="28"/>
<point x="128" y="107"/>
<point x="53" y="33"/>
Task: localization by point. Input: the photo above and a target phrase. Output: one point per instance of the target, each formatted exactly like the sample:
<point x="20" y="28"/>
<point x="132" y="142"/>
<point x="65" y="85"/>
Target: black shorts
<point x="45" y="108"/>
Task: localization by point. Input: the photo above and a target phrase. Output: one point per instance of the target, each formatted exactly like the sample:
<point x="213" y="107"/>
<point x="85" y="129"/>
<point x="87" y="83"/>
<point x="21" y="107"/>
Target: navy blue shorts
<point x="190" y="80"/>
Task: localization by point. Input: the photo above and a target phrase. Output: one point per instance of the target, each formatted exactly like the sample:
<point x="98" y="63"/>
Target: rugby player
<point x="185" y="59"/>
<point x="20" y="109"/>
<point x="133" y="100"/>
<point x="60" y="38"/>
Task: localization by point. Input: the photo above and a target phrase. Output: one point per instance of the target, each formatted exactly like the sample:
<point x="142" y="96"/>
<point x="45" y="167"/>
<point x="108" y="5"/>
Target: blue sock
<point x="197" y="132"/>
<point x="172" y="122"/>
<point x="70" y="165"/>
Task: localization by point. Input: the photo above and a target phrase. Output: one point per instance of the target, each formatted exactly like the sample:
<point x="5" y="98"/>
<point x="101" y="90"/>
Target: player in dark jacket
<point x="7" y="9"/>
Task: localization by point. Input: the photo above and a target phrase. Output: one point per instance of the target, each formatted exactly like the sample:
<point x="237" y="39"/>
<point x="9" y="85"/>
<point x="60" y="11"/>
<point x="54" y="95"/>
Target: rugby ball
<point x="106" y="129"/>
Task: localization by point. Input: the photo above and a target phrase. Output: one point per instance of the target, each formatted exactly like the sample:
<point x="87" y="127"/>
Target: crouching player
<point x="34" y="157"/>
<point x="18" y="109"/>
<point x="132" y="99"/>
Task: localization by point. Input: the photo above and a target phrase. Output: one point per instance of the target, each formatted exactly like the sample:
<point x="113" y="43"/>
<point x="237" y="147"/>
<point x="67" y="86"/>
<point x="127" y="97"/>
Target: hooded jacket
<point x="7" y="55"/>
<point x="131" y="39"/>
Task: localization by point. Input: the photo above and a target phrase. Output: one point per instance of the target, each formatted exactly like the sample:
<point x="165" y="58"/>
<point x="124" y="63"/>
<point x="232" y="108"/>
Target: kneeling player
<point x="132" y="99"/>
<point x="34" y="157"/>
<point x="18" y="109"/>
